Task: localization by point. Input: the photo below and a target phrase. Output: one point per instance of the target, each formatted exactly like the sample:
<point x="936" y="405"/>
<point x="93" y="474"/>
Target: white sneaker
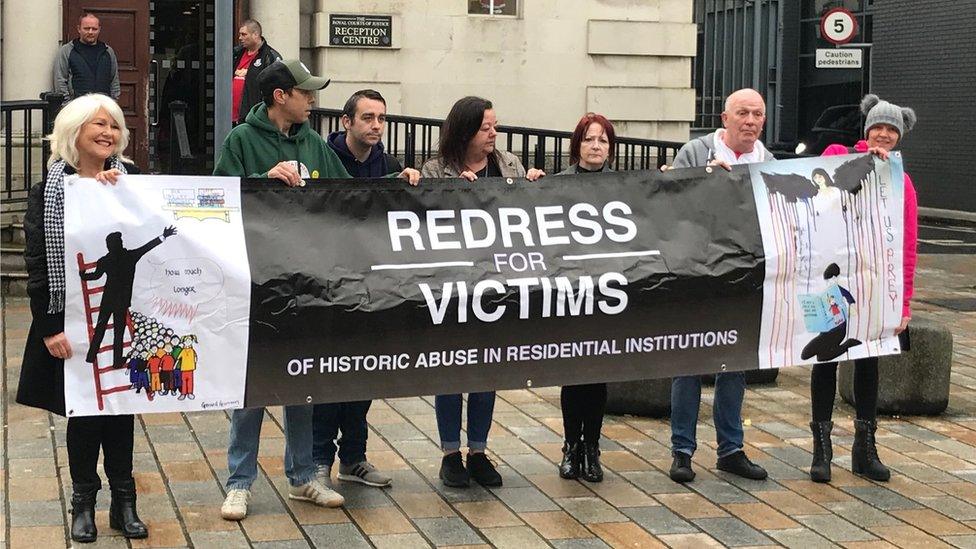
<point x="323" y="473"/>
<point x="316" y="492"/>
<point x="235" y="505"/>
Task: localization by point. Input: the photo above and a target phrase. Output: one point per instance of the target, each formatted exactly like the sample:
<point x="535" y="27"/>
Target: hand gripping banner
<point x="251" y="293"/>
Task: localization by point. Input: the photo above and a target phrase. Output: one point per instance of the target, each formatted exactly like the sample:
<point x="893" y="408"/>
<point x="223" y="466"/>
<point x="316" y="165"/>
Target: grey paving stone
<point x="541" y="410"/>
<point x="218" y="540"/>
<point x="281" y="544"/>
<point x="800" y="538"/>
<point x="951" y="507"/>
<point x="659" y="520"/>
<point x="31" y="448"/>
<point x="882" y="498"/>
<point x="732" y="532"/>
<point x="511" y="477"/>
<point x="834" y="528"/>
<point x="780" y="470"/>
<point x="417" y="448"/>
<point x="748" y="484"/>
<point x="197" y="493"/>
<point x="535" y="434"/>
<point x="654" y="482"/>
<point x="399" y="431"/>
<point x="585" y="543"/>
<point x="530" y="464"/>
<point x="913" y="431"/>
<point x="448" y="531"/>
<point x="474" y="492"/>
<point x="781" y="429"/>
<point x="509" y="445"/>
<point x="36" y="513"/>
<point x="924" y="473"/>
<point x="169" y="433"/>
<point x="963" y="542"/>
<point x="514" y="537"/>
<point x="360" y="496"/>
<point x="407" y="480"/>
<point x="328" y="536"/>
<point x="590" y="510"/>
<point x="719" y="491"/>
<point x="399" y="541"/>
<point x="795" y="456"/>
<point x="861" y="513"/>
<point x="525" y="499"/>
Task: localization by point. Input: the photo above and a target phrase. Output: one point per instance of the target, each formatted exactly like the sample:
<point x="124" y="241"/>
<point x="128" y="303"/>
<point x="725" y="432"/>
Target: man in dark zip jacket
<point x="360" y="146"/>
<point x="250" y="59"/>
<point x="86" y="65"/>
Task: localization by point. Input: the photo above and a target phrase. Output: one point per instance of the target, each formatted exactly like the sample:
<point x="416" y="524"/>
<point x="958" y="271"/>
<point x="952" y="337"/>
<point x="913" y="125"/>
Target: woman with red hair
<point x="592" y="145"/>
<point x="590" y="148"/>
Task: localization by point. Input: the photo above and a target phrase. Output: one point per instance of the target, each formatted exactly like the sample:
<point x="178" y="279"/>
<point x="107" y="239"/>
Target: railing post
<point x="410" y="140"/>
<point x="540" y="153"/>
<point x="52" y="105"/>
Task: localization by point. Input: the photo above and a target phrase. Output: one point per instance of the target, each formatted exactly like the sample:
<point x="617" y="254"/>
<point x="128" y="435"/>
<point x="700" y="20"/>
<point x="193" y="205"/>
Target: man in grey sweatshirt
<point x="736" y="143"/>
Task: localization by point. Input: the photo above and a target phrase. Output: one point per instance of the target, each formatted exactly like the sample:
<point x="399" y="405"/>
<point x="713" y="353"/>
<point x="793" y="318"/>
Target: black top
<point x="491" y="168"/>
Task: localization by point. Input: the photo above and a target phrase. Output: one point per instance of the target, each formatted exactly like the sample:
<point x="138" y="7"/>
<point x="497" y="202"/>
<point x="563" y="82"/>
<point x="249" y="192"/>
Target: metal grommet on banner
<point x="724" y="367"/>
<point x="528" y="383"/>
<point x="509" y="181"/>
<point x="708" y="169"/>
<point x="308" y="399"/>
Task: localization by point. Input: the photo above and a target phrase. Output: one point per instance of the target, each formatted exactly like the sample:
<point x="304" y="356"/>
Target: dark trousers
<point x="119" y="317"/>
<point x="823" y="388"/>
<point x="583" y="407"/>
<point x="327" y="422"/>
<point x="111" y="434"/>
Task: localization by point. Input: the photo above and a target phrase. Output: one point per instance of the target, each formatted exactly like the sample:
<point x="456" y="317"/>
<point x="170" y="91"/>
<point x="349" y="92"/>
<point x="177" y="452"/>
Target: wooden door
<point x="125" y="27"/>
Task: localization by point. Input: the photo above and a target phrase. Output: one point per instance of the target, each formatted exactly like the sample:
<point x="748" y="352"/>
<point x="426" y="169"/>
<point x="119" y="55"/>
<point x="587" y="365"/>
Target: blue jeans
<point x="245" y="437"/>
<point x="328" y="420"/>
<point x="730" y="388"/>
<point x="481" y="406"/>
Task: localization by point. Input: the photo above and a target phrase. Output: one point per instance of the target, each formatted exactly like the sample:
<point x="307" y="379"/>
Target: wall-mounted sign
<point x="838" y="26"/>
<point x="846" y="58"/>
<point x="361" y="31"/>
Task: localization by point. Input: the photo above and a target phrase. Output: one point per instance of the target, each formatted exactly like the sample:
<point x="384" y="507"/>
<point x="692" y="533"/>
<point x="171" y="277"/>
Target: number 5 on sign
<point x="838" y="26"/>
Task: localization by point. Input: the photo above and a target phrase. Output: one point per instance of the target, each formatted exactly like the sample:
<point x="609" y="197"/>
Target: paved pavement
<point x="180" y="463"/>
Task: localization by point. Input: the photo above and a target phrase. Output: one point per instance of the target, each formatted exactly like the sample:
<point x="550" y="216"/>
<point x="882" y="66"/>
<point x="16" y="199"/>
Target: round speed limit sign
<point x="838" y="26"/>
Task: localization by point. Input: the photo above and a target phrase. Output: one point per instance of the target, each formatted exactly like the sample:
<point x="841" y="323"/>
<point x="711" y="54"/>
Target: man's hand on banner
<point x="58" y="346"/>
<point x="168" y="232"/>
<point x="904" y="324"/>
<point x="108" y="177"/>
<point x="287" y="172"/>
<point x="535" y="174"/>
<point x="721" y="163"/>
<point x="881" y="152"/>
<point x="411" y="175"/>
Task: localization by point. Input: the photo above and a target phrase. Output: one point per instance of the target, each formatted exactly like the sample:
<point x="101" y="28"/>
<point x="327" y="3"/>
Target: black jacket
<point x="41" y="375"/>
<point x="378" y="164"/>
<point x="252" y="93"/>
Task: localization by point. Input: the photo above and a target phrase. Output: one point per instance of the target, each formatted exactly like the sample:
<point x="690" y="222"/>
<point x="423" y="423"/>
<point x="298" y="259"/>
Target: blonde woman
<point x="88" y="139"/>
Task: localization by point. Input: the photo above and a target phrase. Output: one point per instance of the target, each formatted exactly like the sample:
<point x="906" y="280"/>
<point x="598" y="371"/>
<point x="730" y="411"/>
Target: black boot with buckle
<point x="591" y="471"/>
<point x="122" y="514"/>
<point x="572" y="459"/>
<point x="83" y="512"/>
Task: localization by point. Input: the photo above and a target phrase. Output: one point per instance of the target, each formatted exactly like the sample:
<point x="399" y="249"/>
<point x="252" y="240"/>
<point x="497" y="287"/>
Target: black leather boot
<point x="591" y="471"/>
<point x="83" y="512"/>
<point x="823" y="451"/>
<point x="122" y="513"/>
<point x="864" y="452"/>
<point x="572" y="458"/>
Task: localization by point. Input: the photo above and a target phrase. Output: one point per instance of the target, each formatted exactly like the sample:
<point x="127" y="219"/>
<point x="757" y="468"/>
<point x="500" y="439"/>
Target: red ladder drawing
<point x="88" y="289"/>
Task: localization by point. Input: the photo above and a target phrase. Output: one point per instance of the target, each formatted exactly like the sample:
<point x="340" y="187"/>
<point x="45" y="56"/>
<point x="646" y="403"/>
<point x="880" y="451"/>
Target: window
<point x="493" y="7"/>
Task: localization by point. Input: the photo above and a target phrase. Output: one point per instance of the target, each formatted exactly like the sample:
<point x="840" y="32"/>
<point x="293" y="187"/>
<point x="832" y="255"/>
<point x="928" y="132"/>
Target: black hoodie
<point x="378" y="164"/>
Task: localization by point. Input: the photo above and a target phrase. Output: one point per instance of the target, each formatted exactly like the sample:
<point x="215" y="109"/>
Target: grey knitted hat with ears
<point x="877" y="112"/>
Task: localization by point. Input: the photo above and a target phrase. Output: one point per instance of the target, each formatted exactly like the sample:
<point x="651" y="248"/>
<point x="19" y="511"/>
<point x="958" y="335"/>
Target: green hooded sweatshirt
<point x="253" y="148"/>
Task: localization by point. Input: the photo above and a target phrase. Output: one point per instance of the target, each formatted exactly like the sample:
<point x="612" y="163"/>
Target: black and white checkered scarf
<point x="54" y="230"/>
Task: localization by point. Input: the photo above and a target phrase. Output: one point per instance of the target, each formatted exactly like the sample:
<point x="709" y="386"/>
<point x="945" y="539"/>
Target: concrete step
<point x="12" y="258"/>
<point x="13" y="284"/>
<point x="12" y="232"/>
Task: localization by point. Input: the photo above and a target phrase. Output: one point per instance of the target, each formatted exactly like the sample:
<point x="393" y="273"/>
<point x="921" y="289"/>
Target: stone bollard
<point x="915" y="382"/>
<point x="645" y="397"/>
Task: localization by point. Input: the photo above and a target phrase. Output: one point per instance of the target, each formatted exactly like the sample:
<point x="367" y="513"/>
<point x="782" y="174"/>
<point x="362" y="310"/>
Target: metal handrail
<point x="547" y="149"/>
<point x="15" y="189"/>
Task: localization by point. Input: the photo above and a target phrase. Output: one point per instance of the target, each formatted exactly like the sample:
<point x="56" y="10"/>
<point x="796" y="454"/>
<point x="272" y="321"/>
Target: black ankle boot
<point x="864" y="452"/>
<point x="823" y="451"/>
<point x="83" y="512"/>
<point x="122" y="513"/>
<point x="591" y="471"/>
<point x="572" y="458"/>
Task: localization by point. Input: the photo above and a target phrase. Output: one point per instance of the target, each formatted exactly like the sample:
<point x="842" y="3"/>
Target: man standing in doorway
<point x="86" y="65"/>
<point x="250" y="58"/>
<point x="737" y="143"/>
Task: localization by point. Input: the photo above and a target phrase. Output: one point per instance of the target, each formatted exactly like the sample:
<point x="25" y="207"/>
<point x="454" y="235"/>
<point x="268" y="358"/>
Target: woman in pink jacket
<point x="884" y="127"/>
